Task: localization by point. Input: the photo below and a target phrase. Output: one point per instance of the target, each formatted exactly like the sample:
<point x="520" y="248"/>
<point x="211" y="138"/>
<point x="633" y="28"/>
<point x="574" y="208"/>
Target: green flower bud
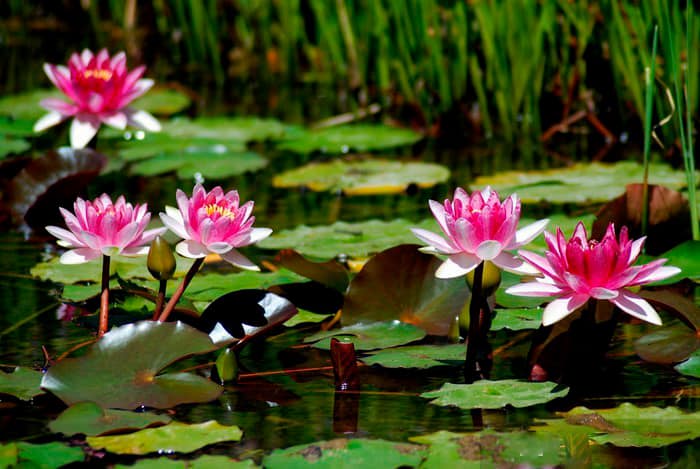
<point x="161" y="261"/>
<point x="226" y="366"/>
<point x="490" y="280"/>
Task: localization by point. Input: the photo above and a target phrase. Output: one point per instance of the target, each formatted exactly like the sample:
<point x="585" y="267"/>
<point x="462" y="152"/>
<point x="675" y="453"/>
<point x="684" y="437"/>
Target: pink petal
<point x="457" y="265"/>
<point x="526" y="234"/>
<point x="60" y="106"/>
<point x="191" y="249"/>
<point x="142" y="120"/>
<point x="81" y="132"/>
<point x="600" y="293"/>
<point x="64" y="235"/>
<point x="48" y="120"/>
<point x="174" y="225"/>
<point x="558" y="309"/>
<point x="439" y="213"/>
<point x="637" y="307"/>
<point x="219" y="247"/>
<point x="511" y="263"/>
<point x="534" y="289"/>
<point x="239" y="260"/>
<point x="488" y="250"/>
<point x="79" y="256"/>
<point x="117" y="120"/>
<point x="436" y="241"/>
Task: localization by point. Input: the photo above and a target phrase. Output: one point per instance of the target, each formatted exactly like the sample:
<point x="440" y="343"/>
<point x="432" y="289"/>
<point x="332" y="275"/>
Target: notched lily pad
<point x="369" y="336"/>
<point x="351" y="239"/>
<point x="44" y="456"/>
<point x="212" y="162"/>
<point x="348" y="138"/>
<point x="122" y="369"/>
<point x="400" y="283"/>
<point x="346" y="453"/>
<point x="418" y="356"/>
<point x="363" y="177"/>
<point x="486" y="394"/>
<point x="90" y="419"/>
<point x="227" y="129"/>
<point x="517" y="319"/>
<point x="22" y="383"/>
<point x="691" y="366"/>
<point x="176" y="437"/>
<point x="579" y="183"/>
<point x="138" y="146"/>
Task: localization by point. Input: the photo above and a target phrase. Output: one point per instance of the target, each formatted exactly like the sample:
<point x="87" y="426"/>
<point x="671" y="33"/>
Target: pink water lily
<point x="214" y="222"/>
<point x="478" y="228"/>
<point x="104" y="228"/>
<point x="580" y="269"/>
<point x="99" y="88"/>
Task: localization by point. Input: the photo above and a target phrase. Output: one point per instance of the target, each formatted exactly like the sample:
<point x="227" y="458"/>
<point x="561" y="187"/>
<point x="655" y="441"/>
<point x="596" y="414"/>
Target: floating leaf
<point x="162" y="101"/>
<point x="227" y="129"/>
<point x="22" y="383"/>
<point x="487" y="394"/>
<point x="90" y="419"/>
<point x="579" y="183"/>
<point x="670" y="344"/>
<point x="690" y="367"/>
<point x="44" y="456"/>
<point x="517" y="319"/>
<point x="16" y="127"/>
<point x="629" y="425"/>
<point x="331" y="273"/>
<point x="9" y="146"/>
<point x="363" y="177"/>
<point x="686" y="257"/>
<point x="139" y="147"/>
<point x="202" y="462"/>
<point x="208" y="287"/>
<point x="487" y="447"/>
<point x="26" y="105"/>
<point x="176" y="437"/>
<point x="343" y="139"/>
<point x="214" y="162"/>
<point x="352" y="239"/>
<point x="400" y="283"/>
<point x="304" y="316"/>
<point x="121" y="369"/>
<point x="369" y="336"/>
<point x="513" y="301"/>
<point x="346" y="453"/>
<point x="417" y="356"/>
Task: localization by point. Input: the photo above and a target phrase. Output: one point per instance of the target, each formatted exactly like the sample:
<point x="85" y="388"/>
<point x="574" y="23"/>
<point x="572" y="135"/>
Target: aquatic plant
<point x="99" y="88"/>
<point x="580" y="269"/>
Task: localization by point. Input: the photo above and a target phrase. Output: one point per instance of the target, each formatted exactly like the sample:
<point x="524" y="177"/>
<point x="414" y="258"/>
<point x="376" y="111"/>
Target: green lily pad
<point x="212" y="162"/>
<point x="22" y="383"/>
<point x="16" y="127"/>
<point x="369" y="336"/>
<point x="90" y="419"/>
<point x="202" y="462"/>
<point x="400" y="283"/>
<point x="343" y="139"/>
<point x="417" y="356"/>
<point x="487" y="394"/>
<point x="351" y="239"/>
<point x="346" y="453"/>
<point x="26" y="105"/>
<point x="686" y="257"/>
<point x="486" y="448"/>
<point x="579" y="183"/>
<point x="121" y="369"/>
<point x="162" y="101"/>
<point x="228" y="129"/>
<point x="9" y="146"/>
<point x="628" y="425"/>
<point x="176" y="437"/>
<point x="513" y="301"/>
<point x="517" y="319"/>
<point x="211" y="286"/>
<point x="690" y="367"/>
<point x="155" y="144"/>
<point x="303" y="316"/>
<point x="363" y="177"/>
<point x="44" y="456"/>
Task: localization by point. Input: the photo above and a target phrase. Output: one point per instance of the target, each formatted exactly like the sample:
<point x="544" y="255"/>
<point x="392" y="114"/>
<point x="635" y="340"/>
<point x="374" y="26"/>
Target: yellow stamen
<point x="100" y="74"/>
<point x="223" y="211"/>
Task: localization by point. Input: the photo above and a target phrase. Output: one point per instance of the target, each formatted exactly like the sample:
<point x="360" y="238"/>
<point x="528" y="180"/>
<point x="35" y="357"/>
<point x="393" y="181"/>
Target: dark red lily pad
<point x="400" y="283"/>
<point x="330" y="273"/>
<point x="671" y="344"/>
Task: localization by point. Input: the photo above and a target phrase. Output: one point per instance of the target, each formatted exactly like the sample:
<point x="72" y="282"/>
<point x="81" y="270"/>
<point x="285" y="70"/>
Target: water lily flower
<point x="478" y="228"/>
<point x="102" y="228"/>
<point x="213" y="222"/>
<point x="99" y="88"/>
<point x="580" y="269"/>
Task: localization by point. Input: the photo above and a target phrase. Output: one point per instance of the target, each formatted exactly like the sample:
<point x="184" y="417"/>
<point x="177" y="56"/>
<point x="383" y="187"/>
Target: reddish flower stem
<point x="104" y="298"/>
<point x="180" y="289"/>
<point x="160" y="299"/>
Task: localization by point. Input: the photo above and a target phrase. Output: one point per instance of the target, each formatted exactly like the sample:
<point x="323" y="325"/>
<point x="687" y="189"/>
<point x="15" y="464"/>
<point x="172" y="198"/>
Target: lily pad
<point x="121" y="369"/>
<point x="26" y="105"/>
<point x="44" y="456"/>
<point x="202" y="462"/>
<point x="417" y="356"/>
<point x="211" y="286"/>
<point x="686" y="257"/>
<point x="579" y="183"/>
<point x="486" y="394"/>
<point x="517" y="319"/>
<point x="212" y="162"/>
<point x="22" y="383"/>
<point x="671" y="344"/>
<point x="348" y="138"/>
<point x="369" y="336"/>
<point x="139" y="147"/>
<point x="90" y="419"/>
<point x="228" y="129"/>
<point x="330" y="273"/>
<point x="400" y="283"/>
<point x="628" y="425"/>
<point x="162" y="101"/>
<point x="486" y="448"/>
<point x="176" y="437"/>
<point x="351" y="239"/>
<point x="304" y="316"/>
<point x="9" y="146"/>
<point x="690" y="367"/>
<point x="16" y="127"/>
<point x="363" y="177"/>
<point x="348" y="453"/>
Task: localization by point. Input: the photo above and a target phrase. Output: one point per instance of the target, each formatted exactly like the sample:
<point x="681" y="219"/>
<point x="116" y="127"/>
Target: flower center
<point x="221" y="211"/>
<point x="99" y="74"/>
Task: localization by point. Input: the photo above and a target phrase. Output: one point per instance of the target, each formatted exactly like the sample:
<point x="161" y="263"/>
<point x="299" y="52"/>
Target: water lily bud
<point x="490" y="280"/>
<point x="226" y="367"/>
<point x="453" y="334"/>
<point x="161" y="261"/>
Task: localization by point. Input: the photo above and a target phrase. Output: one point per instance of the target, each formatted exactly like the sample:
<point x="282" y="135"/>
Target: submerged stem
<point x="104" y="298"/>
<point x="181" y="289"/>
